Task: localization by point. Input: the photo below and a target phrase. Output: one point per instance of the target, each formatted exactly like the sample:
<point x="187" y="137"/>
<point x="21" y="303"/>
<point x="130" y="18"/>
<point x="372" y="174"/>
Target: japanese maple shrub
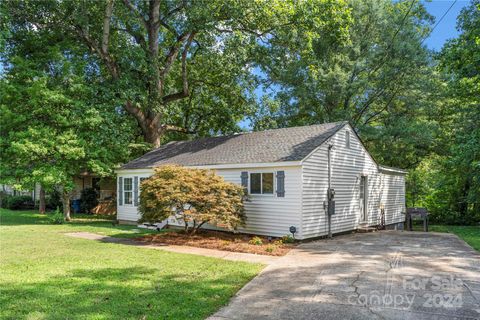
<point x="193" y="196"/>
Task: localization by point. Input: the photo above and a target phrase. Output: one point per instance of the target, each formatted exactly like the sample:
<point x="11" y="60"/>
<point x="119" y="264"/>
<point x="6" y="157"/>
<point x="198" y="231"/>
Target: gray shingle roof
<point x="276" y="145"/>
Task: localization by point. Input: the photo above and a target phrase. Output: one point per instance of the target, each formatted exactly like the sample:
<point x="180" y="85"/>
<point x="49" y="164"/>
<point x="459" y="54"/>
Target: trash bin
<point x="76" y="206"/>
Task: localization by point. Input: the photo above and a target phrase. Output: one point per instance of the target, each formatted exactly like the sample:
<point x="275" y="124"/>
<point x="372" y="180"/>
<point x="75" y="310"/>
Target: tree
<point x="50" y="133"/>
<point x="382" y="80"/>
<point x="194" y="196"/>
<point x="152" y="55"/>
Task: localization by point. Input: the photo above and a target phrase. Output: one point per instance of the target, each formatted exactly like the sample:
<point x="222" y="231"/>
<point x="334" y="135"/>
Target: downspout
<point x="329" y="215"/>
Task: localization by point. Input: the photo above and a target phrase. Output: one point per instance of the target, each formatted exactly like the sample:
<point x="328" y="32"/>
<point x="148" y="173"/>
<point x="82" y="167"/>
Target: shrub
<point x="256" y="241"/>
<point x="56" y="217"/>
<point x="18" y="202"/>
<point x="54" y="200"/>
<point x="278" y="242"/>
<point x="270" y="248"/>
<point x="88" y="200"/>
<point x="288" y="239"/>
<point x="194" y="196"/>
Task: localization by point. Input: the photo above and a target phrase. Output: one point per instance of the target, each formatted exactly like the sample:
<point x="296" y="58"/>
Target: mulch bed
<point x="220" y="241"/>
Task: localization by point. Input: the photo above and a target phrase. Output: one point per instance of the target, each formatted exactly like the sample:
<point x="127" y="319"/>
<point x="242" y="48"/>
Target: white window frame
<point x="261" y="184"/>
<point x="125" y="191"/>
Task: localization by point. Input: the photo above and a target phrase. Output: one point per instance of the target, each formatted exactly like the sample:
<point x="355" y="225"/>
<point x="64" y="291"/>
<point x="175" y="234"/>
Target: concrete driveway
<point x="382" y="275"/>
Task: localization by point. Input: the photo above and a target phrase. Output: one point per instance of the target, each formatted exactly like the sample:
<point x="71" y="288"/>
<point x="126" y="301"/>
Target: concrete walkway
<point x="227" y="255"/>
<point x="382" y="275"/>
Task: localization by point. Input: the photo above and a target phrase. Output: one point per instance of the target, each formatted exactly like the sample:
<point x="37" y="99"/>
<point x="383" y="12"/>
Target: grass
<point x="46" y="275"/>
<point x="469" y="234"/>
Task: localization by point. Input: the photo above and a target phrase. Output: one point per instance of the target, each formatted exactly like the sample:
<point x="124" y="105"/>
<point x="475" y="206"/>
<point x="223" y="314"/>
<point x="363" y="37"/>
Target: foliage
<point x="288" y="239"/>
<point x="56" y="217"/>
<point x="270" y="248"/>
<point x="88" y="200"/>
<point x="381" y="80"/>
<point x="448" y="182"/>
<point x="17" y="202"/>
<point x="54" y="200"/>
<point x="193" y="196"/>
<point x="46" y="275"/>
<point x="256" y="241"/>
<point x="176" y="66"/>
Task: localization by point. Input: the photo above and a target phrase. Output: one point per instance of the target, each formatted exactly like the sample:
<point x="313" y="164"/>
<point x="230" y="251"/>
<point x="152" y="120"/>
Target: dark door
<point x="364" y="198"/>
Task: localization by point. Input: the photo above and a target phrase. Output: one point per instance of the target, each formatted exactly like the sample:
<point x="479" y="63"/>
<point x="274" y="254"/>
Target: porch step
<point x="363" y="228"/>
<point x="156" y="226"/>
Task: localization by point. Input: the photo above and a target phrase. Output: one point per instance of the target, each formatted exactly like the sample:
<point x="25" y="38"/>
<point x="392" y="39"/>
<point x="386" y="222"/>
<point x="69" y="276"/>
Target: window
<point x="127" y="190"/>
<point x="347" y="139"/>
<point x="261" y="183"/>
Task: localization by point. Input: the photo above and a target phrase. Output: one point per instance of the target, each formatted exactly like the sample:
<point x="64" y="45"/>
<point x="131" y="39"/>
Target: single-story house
<point x="287" y="173"/>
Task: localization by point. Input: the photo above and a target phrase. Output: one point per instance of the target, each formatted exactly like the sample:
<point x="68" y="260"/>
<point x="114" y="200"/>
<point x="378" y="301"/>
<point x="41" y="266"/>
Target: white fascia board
<point x="136" y="171"/>
<point x="222" y="166"/>
<point x="250" y="165"/>
<point x="392" y="170"/>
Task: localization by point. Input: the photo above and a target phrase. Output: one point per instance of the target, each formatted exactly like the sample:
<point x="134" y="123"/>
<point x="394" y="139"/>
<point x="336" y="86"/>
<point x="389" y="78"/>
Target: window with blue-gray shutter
<point x="120" y="191"/>
<point x="135" y="191"/>
<point x="244" y="177"/>
<point x="280" y="183"/>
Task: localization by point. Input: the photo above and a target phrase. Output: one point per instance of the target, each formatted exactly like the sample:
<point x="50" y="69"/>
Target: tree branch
<point x="171" y="127"/>
<point x="136" y="12"/>
<point x="106" y="26"/>
<point x="184" y="92"/>
<point x="109" y="61"/>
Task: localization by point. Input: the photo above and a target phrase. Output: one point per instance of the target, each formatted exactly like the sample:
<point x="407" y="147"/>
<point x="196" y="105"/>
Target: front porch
<point x="105" y="188"/>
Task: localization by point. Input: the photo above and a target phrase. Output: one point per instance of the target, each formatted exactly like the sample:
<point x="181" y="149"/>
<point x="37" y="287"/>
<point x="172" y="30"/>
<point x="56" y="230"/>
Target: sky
<point x="446" y="29"/>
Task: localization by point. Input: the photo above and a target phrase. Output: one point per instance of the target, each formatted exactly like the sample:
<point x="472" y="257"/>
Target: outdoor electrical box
<point x="331" y="193"/>
<point x="331" y="207"/>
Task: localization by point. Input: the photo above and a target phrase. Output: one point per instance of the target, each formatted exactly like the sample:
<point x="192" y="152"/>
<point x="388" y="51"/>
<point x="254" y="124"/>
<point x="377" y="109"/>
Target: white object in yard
<point x="154" y="226"/>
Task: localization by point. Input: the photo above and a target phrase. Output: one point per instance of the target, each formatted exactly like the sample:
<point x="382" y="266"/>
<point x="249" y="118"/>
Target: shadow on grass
<point x="118" y="293"/>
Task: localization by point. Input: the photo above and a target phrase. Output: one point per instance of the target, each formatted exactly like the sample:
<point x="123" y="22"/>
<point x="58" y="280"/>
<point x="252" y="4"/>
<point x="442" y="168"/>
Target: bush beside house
<point x="194" y="196"/>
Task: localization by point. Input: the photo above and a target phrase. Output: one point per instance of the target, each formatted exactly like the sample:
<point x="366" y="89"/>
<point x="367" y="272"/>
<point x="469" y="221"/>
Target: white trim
<point x="130" y="191"/>
<point x="223" y="166"/>
<point x="390" y="170"/>
<point x="273" y="194"/>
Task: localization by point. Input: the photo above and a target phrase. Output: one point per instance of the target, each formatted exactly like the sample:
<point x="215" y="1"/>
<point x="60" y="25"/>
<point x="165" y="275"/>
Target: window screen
<point x="255" y="183"/>
<point x="127" y="190"/>
<point x="267" y="183"/>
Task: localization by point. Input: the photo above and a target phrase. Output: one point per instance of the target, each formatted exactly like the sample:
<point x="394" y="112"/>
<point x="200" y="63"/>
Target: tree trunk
<point x="152" y="134"/>
<point x="66" y="205"/>
<point x="41" y="206"/>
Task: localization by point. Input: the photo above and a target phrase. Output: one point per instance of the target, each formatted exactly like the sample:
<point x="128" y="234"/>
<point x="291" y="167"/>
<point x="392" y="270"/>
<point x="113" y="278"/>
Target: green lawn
<point x="470" y="234"/>
<point x="46" y="275"/>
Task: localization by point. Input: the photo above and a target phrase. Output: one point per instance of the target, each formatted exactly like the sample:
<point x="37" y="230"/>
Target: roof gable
<point x="276" y="145"/>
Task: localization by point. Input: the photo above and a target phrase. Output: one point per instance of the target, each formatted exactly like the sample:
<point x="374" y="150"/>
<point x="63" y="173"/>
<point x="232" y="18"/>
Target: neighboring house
<point x="286" y="173"/>
<point x="106" y="192"/>
<point x="10" y="190"/>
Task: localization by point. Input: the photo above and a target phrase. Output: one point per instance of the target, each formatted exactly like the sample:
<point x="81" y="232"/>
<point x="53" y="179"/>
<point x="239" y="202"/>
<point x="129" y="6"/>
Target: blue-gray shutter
<point x="280" y="183"/>
<point x="135" y="191"/>
<point x="244" y="177"/>
<point x="120" y="191"/>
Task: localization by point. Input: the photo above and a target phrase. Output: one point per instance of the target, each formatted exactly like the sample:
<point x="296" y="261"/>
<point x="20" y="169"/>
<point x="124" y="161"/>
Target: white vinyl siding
<point x="266" y="214"/>
<point x="306" y="190"/>
<point x="393" y="197"/>
<point x="347" y="167"/>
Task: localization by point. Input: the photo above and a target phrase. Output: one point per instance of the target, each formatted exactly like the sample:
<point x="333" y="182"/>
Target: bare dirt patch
<point x="222" y="241"/>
